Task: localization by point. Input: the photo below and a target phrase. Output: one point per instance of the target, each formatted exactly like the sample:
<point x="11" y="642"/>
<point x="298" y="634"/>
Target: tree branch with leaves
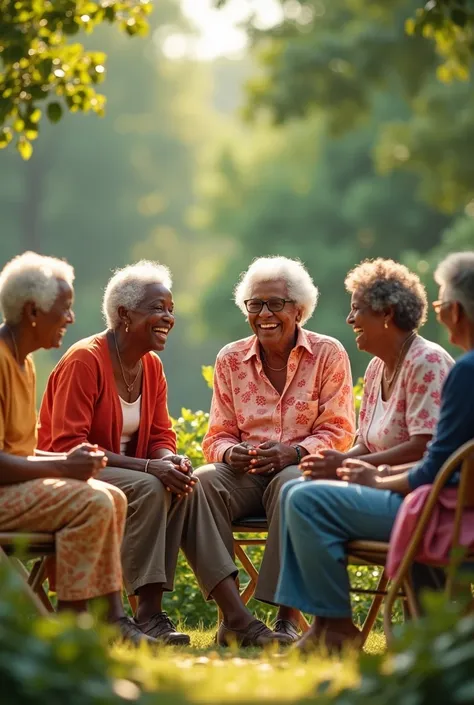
<point x="42" y="71"/>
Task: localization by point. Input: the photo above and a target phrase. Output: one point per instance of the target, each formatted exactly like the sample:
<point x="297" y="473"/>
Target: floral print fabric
<point x="315" y="410"/>
<point x="413" y="407"/>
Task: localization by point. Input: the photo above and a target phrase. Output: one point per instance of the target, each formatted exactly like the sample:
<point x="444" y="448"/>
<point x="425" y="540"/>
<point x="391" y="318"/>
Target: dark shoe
<point x="130" y="633"/>
<point x="255" y="634"/>
<point x="161" y="628"/>
<point x="286" y="626"/>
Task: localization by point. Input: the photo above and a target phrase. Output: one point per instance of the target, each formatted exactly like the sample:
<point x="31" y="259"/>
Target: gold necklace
<point x="273" y="369"/>
<point x="399" y="360"/>
<point x="129" y="386"/>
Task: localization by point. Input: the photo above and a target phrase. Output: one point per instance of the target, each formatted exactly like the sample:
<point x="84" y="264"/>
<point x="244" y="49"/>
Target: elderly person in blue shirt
<point x="320" y="517"/>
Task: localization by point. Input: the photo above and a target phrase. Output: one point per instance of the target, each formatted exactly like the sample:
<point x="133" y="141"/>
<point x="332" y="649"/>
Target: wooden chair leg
<point x="374" y="607"/>
<point x="24" y="586"/>
<point x="36" y="579"/>
<point x="251" y="571"/>
<point x="133" y="602"/>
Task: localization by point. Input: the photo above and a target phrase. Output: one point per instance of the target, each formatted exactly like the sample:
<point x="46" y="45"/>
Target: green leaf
<point x="54" y="112"/>
<point x="6" y="137"/>
<point x="207" y="372"/>
<point x="25" y="148"/>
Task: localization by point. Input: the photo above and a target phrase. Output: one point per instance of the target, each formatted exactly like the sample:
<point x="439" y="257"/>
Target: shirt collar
<point x="302" y="341"/>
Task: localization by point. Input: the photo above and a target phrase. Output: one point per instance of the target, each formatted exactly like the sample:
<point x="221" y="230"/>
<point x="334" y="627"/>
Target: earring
<point x="385" y="325"/>
<point x="33" y="324"/>
<point x="126" y="328"/>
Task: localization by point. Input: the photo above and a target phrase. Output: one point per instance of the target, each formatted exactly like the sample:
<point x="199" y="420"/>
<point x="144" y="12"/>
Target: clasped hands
<point x="333" y="465"/>
<point x="175" y="472"/>
<point x="264" y="459"/>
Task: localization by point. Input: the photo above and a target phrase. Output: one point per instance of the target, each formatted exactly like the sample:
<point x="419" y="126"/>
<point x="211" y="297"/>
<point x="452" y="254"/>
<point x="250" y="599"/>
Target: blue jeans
<point x="317" y="520"/>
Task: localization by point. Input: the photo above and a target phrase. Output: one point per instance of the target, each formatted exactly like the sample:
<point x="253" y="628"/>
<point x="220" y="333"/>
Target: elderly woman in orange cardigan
<point x="110" y="389"/>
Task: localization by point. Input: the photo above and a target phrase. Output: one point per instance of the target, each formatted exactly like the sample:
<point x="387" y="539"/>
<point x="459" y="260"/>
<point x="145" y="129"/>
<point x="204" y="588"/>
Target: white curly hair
<point x="31" y="277"/>
<point x="456" y="274"/>
<point x="298" y="281"/>
<point x="127" y="287"/>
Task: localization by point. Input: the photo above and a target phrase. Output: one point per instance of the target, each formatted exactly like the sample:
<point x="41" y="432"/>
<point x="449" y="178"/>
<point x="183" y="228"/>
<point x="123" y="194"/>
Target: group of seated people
<point x="99" y="466"/>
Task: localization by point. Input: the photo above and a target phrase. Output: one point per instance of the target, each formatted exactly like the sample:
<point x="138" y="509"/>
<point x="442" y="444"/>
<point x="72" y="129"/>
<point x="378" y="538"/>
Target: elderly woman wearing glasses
<point x="319" y="518"/>
<point x="402" y="384"/>
<point x="280" y="394"/>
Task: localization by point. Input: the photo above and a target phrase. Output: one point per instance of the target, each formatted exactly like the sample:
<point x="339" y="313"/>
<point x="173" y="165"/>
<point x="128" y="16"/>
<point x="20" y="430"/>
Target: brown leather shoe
<point x="286" y="626"/>
<point x="131" y="634"/>
<point x="255" y="634"/>
<point x="161" y="628"/>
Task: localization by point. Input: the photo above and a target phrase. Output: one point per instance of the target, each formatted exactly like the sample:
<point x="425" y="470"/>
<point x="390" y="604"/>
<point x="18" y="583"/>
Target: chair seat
<point x="370" y="552"/>
<point x="34" y="543"/>
<point x="250" y="524"/>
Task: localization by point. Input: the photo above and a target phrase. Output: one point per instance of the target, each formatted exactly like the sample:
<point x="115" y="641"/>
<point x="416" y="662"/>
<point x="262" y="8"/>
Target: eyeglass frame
<point x="439" y="305"/>
<point x="265" y="303"/>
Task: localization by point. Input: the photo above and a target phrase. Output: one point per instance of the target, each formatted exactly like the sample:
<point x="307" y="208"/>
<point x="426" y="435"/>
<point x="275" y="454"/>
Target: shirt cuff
<point x="414" y="478"/>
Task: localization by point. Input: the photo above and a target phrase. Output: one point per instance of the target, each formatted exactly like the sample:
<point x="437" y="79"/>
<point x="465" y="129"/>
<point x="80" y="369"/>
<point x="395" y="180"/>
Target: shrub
<point x="54" y="661"/>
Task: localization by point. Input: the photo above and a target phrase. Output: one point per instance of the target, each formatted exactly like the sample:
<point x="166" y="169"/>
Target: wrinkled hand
<point x="239" y="457"/>
<point x="322" y="465"/>
<point x="172" y="476"/>
<point x="182" y="462"/>
<point x="83" y="462"/>
<point x="358" y="472"/>
<point x="271" y="457"/>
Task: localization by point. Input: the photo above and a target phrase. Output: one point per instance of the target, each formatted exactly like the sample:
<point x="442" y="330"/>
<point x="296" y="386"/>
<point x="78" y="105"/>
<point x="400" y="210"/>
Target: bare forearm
<point x="14" y="469"/>
<point x="357" y="451"/>
<point x="405" y="453"/>
<point x="115" y="460"/>
<point x="394" y="483"/>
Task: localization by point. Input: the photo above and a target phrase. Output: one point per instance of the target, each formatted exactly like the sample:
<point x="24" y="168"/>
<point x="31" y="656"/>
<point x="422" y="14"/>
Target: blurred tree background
<point x="335" y="136"/>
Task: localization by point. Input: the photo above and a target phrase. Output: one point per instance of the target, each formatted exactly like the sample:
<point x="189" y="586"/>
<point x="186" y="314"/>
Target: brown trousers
<point x="232" y="495"/>
<point x="158" y="525"/>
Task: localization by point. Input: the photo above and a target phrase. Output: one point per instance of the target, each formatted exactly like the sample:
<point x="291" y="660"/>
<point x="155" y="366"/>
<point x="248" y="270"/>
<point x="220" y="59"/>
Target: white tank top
<point x="377" y="423"/>
<point x="131" y="421"/>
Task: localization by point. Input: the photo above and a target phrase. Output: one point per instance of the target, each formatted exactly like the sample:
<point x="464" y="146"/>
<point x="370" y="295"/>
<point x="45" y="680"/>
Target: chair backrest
<point x="465" y="496"/>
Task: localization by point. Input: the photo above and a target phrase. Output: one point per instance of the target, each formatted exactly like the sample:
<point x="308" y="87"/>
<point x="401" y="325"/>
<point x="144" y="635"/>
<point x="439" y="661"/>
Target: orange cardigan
<point x="81" y="403"/>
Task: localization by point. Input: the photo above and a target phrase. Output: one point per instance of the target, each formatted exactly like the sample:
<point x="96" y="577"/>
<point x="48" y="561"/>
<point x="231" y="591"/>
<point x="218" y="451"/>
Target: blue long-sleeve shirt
<point x="455" y="425"/>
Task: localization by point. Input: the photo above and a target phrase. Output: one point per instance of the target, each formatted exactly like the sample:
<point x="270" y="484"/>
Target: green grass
<point x="203" y="673"/>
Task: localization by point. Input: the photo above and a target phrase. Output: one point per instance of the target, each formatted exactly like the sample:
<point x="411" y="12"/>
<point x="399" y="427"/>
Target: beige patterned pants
<point x="88" y="520"/>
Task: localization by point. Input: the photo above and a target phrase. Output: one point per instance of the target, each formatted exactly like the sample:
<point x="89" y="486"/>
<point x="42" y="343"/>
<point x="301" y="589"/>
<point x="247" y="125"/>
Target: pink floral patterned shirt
<point x="413" y="407"/>
<point x="315" y="410"/>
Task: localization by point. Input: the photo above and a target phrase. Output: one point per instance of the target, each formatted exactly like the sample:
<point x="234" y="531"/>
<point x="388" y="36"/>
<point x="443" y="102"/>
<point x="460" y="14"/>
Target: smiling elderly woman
<point x="110" y="389"/>
<point x="402" y="385"/>
<point x="279" y="394"/>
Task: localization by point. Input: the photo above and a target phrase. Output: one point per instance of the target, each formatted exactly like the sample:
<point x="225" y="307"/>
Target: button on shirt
<point x="315" y="410"/>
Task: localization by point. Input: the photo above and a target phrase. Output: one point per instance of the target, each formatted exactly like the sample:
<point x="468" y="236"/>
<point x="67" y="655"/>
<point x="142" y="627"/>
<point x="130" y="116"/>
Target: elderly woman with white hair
<point x="110" y="389"/>
<point x="54" y="493"/>
<point x="280" y="394"/>
<point x="321" y="517"/>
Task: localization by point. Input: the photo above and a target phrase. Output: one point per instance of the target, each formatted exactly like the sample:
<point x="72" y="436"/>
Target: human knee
<point x="208" y="478"/>
<point x="118" y="498"/>
<point x="305" y="498"/>
<point x="99" y="501"/>
<point x="285" y="490"/>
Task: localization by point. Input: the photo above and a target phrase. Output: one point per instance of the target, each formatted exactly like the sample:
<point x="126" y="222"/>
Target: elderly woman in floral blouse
<point x="280" y="394"/>
<point x="402" y="384"/>
<point x="400" y="410"/>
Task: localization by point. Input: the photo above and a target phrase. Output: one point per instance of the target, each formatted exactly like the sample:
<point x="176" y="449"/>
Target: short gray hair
<point x="31" y="277"/>
<point x="299" y="283"/>
<point x="456" y="274"/>
<point x="384" y="283"/>
<point x="127" y="287"/>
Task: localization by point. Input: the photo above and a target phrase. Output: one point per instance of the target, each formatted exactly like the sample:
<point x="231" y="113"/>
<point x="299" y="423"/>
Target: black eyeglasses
<point x="273" y="305"/>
